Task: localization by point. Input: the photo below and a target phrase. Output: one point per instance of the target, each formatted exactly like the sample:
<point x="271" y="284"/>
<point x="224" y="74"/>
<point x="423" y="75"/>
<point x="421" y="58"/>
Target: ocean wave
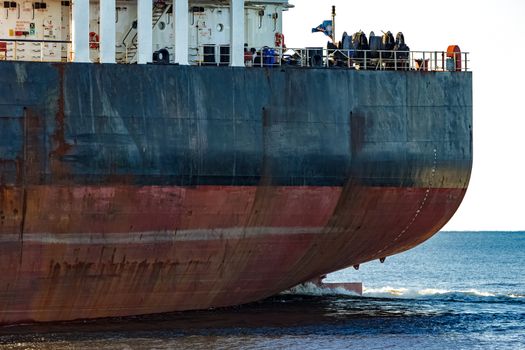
<point x="429" y="293"/>
<point x="470" y="295"/>
<point x="517" y="296"/>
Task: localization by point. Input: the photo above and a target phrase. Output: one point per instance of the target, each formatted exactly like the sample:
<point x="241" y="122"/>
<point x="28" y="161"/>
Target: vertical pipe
<point x="333" y="25"/>
<point x="237" y="33"/>
<point x="80" y="32"/>
<point x="145" y="31"/>
<point x="108" y="15"/>
<point x="181" y="25"/>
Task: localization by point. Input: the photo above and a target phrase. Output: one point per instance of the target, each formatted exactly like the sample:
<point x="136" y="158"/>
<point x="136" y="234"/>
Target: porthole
<point x="162" y="25"/>
<point x="220" y="27"/>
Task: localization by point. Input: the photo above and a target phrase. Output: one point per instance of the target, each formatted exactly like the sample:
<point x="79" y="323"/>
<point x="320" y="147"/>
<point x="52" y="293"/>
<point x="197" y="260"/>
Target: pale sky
<point x="493" y="32"/>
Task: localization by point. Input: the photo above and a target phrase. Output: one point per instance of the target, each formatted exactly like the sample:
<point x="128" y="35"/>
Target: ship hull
<point x="130" y="190"/>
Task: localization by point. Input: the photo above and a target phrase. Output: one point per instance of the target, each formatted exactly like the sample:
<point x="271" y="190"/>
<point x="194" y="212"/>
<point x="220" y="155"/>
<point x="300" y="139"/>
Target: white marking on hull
<point x="160" y="237"/>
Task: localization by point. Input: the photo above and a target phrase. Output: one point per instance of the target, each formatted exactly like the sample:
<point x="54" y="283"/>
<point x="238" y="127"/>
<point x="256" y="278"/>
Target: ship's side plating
<point x="139" y="189"/>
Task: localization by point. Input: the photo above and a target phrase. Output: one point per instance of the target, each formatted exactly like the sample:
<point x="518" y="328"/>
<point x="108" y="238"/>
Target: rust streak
<point x="60" y="144"/>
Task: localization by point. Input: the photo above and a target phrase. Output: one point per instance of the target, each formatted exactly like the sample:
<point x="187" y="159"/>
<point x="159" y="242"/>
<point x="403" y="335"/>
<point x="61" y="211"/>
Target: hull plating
<point x="139" y="189"/>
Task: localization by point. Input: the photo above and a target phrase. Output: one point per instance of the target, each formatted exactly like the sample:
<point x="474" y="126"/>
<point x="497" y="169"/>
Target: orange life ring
<point x="93" y="40"/>
<point x="279" y="40"/>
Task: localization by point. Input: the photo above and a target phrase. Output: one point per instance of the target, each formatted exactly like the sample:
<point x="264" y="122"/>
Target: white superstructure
<point x="136" y="31"/>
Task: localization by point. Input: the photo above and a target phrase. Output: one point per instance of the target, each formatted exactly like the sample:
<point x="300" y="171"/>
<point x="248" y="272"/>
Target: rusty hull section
<point x="130" y="190"/>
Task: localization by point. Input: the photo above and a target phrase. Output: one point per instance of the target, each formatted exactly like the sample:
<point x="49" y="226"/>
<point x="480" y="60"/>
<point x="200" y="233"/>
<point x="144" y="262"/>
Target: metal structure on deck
<point x="110" y="31"/>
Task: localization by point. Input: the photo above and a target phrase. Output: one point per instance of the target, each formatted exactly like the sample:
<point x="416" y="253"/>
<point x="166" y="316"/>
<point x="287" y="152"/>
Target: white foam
<point x="384" y="292"/>
<point x="516" y="296"/>
<point x="478" y="293"/>
<point x="315" y="290"/>
<point x="432" y="291"/>
<point x="407" y="293"/>
<point x="398" y="292"/>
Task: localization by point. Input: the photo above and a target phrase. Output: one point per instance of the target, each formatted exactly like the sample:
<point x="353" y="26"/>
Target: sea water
<point x="459" y="290"/>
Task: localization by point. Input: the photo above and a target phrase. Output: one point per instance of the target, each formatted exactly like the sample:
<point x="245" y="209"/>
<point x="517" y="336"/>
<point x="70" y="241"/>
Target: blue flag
<point x="325" y="27"/>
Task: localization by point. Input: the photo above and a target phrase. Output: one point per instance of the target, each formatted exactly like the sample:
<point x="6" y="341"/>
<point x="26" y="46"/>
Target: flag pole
<point x="333" y="24"/>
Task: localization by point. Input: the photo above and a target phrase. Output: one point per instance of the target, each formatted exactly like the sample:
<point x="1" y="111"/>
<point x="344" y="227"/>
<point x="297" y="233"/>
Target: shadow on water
<point x="278" y="311"/>
<point x="283" y="314"/>
<point x="290" y="321"/>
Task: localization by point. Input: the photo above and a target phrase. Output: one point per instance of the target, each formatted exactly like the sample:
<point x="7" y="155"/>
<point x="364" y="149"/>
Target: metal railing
<point x="435" y="61"/>
<point x="219" y="55"/>
<point x="35" y="50"/>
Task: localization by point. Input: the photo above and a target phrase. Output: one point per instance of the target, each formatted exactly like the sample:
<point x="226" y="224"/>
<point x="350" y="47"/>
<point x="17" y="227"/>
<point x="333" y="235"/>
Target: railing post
<point x="395" y="61"/>
<point x="364" y="63"/>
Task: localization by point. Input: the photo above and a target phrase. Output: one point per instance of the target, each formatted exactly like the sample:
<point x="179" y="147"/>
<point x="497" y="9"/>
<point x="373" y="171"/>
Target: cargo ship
<point x="160" y="156"/>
